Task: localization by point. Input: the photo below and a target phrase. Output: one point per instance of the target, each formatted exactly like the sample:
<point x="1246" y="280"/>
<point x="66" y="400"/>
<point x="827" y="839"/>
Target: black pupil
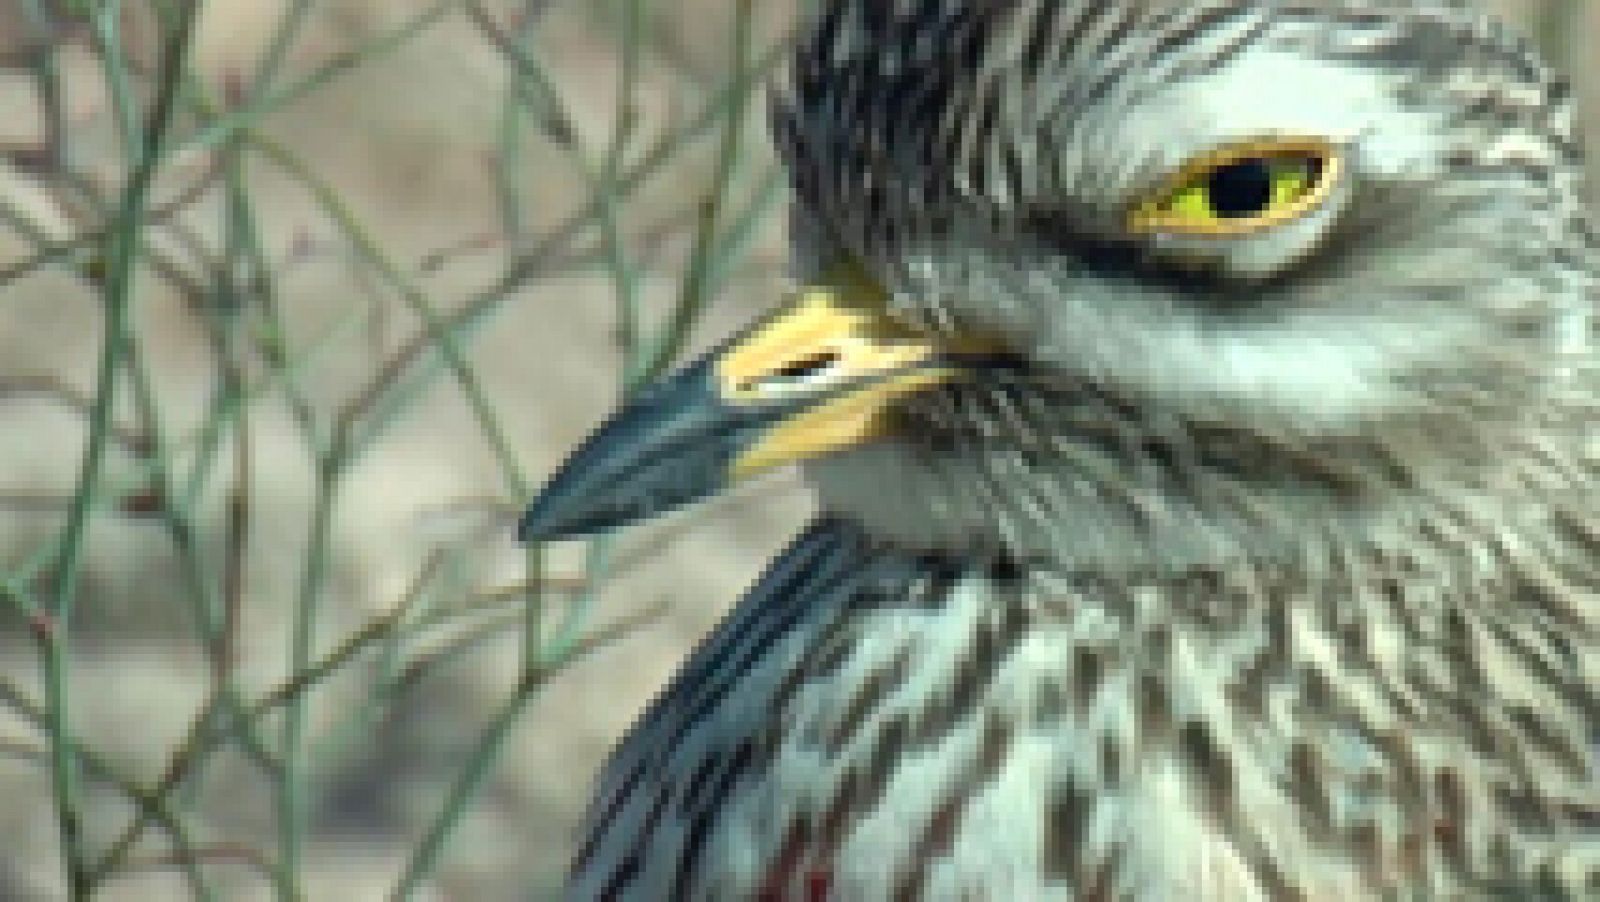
<point x="1240" y="189"/>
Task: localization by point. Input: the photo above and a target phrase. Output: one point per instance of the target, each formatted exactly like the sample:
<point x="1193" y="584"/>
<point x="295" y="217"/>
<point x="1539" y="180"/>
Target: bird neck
<point x="911" y="692"/>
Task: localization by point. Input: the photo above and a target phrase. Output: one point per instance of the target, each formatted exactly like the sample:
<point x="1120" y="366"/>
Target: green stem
<point x="53" y="635"/>
<point x="225" y="128"/>
<point x="699" y="284"/>
<point x="292" y="779"/>
<point x="487" y="751"/>
<point x="477" y="769"/>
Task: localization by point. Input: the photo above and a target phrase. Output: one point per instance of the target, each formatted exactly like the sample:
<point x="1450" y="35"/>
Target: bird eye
<point x="1241" y="189"/>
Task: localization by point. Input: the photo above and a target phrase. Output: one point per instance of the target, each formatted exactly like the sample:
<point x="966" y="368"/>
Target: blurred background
<point x="299" y="301"/>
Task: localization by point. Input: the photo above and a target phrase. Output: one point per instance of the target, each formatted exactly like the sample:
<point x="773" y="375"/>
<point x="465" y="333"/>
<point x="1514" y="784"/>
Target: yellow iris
<point x="1241" y="189"/>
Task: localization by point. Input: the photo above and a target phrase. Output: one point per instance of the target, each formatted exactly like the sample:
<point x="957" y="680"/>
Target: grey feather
<point x="1272" y="575"/>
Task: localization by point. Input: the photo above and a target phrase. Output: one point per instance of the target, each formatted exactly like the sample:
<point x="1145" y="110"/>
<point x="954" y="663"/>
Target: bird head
<point x="1141" y="282"/>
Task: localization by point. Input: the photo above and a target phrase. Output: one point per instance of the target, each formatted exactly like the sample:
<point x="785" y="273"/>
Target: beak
<point x="819" y="376"/>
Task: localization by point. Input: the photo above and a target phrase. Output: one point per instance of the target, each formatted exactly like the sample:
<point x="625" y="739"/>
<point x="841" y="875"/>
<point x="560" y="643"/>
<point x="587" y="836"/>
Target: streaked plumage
<point x="1250" y="568"/>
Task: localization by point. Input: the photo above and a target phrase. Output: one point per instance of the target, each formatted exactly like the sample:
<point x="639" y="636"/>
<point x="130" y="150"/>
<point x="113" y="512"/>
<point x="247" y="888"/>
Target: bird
<point x="1200" y="401"/>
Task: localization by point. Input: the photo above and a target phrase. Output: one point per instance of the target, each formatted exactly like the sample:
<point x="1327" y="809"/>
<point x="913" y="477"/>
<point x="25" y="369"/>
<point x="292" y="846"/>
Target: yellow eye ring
<point x="1242" y="188"/>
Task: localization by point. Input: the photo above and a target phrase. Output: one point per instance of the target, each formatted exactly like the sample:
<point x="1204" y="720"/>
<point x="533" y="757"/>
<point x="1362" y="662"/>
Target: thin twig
<point x="122" y="253"/>
<point x="487" y="751"/>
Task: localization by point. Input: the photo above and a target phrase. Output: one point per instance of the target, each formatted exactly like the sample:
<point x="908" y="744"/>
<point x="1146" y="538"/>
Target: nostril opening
<point x="797" y="374"/>
<point x="805" y="367"/>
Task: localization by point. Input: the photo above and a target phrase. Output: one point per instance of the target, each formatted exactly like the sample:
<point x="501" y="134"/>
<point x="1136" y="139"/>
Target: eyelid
<point x="1153" y="215"/>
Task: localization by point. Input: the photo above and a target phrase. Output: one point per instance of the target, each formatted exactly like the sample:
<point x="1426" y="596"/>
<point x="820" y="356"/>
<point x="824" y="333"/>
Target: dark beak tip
<point x="543" y="521"/>
<point x="669" y="446"/>
<point x="551" y="516"/>
<point x="571" y="508"/>
<point x="531" y="531"/>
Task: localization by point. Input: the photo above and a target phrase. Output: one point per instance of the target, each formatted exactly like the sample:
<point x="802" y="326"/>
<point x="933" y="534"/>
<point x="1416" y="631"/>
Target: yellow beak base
<point x="840" y="350"/>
